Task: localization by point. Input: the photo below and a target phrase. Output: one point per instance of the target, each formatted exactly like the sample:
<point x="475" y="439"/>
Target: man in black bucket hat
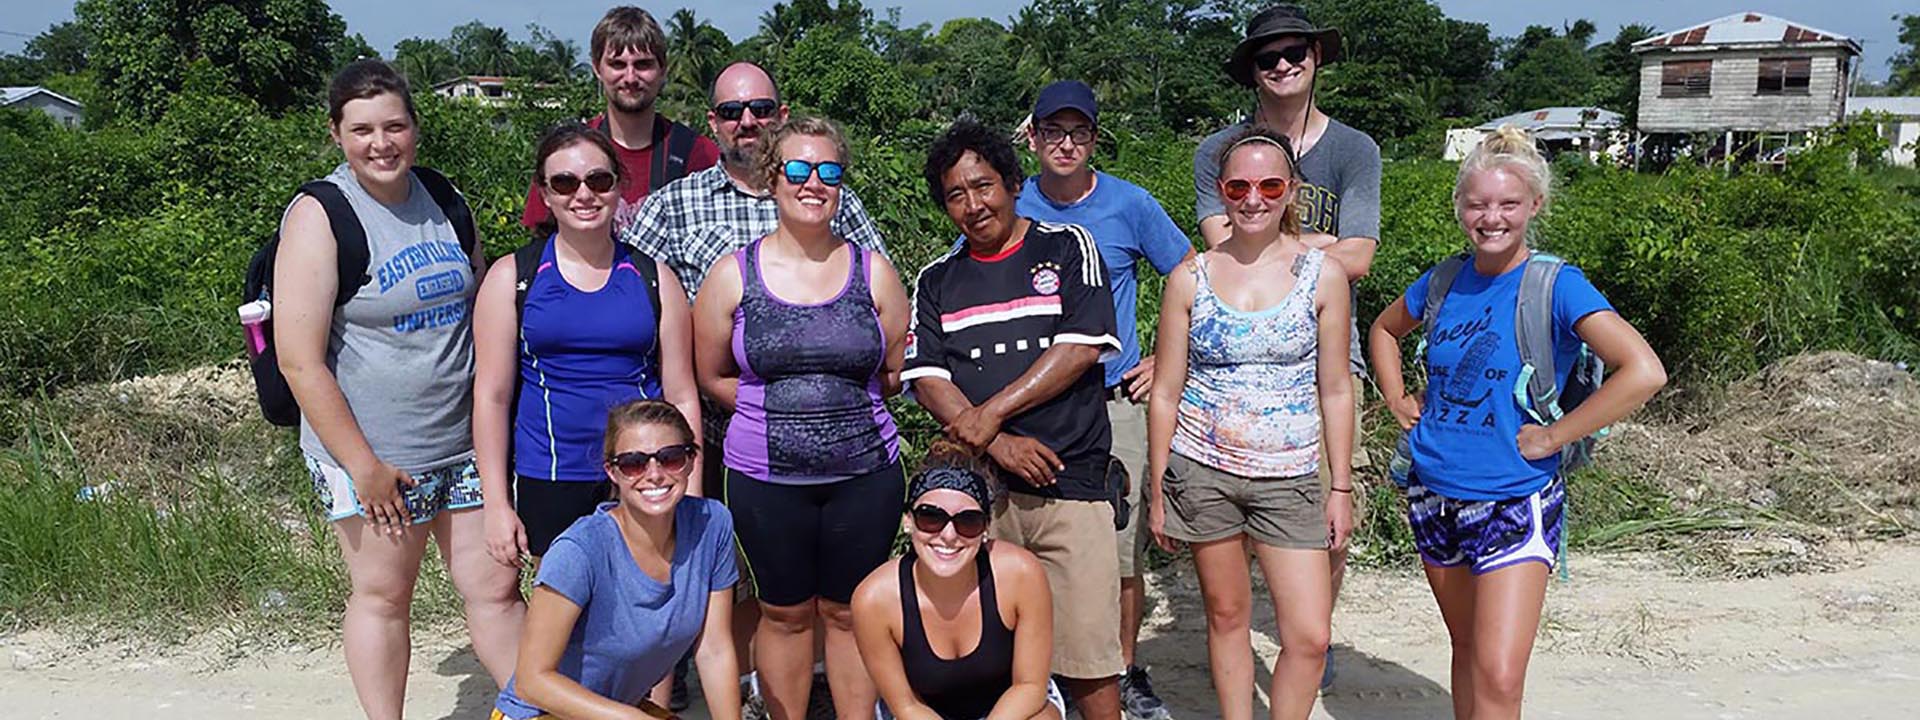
<point x="1339" y="196"/>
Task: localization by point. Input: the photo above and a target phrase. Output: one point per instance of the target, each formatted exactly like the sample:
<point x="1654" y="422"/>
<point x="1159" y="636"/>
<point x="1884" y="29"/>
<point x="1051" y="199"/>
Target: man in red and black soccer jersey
<point x="1009" y="331"/>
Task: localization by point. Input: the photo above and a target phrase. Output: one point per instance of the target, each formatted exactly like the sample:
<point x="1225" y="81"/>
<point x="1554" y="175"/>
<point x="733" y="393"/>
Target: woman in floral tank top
<point x="1252" y="363"/>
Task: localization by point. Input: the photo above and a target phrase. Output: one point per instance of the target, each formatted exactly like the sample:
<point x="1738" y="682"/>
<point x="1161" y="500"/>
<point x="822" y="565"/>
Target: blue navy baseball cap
<point x="1066" y="95"/>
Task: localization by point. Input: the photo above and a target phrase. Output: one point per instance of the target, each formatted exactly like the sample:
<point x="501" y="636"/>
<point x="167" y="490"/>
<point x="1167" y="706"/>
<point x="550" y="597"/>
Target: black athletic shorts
<point x="808" y="541"/>
<point x="547" y="507"/>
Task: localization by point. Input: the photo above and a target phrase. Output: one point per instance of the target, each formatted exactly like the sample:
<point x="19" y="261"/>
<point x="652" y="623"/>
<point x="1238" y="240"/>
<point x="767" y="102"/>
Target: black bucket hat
<point x="1279" y="21"/>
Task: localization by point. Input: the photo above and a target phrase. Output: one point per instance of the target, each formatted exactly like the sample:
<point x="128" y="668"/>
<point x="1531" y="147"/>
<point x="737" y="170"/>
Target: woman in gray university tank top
<point x="801" y="335"/>
<point x="384" y="381"/>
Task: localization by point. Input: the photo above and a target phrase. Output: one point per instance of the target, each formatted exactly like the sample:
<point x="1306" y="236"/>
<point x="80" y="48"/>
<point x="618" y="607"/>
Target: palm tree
<point x="696" y="52"/>
<point x="779" y="31"/>
<point x="483" y="50"/>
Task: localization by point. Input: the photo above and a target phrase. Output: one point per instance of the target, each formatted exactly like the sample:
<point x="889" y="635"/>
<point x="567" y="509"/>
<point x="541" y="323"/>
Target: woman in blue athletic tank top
<point x="801" y="335"/>
<point x="1485" y="494"/>
<point x="988" y="658"/>
<point x="586" y="341"/>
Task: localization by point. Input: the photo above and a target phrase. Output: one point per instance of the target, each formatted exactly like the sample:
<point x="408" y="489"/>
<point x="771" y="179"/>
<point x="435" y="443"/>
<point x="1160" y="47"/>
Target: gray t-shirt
<point x="402" y="347"/>
<point x="1340" y="195"/>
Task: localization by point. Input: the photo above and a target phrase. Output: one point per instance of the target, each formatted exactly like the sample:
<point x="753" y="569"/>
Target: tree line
<point x="1411" y="71"/>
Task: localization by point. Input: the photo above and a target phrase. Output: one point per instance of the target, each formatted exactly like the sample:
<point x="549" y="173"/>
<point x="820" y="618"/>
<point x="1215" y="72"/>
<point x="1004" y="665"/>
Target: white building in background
<point x="485" y="89"/>
<point x="1748" y="85"/>
<point x="1588" y="130"/>
<point x="63" y="109"/>
<point x="1900" y="128"/>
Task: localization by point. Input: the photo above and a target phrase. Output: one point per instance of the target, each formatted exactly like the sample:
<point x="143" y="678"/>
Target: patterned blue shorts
<point x="453" y="487"/>
<point x="1487" y="534"/>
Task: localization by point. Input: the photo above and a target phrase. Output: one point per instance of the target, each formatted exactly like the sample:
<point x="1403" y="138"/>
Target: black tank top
<point x="966" y="687"/>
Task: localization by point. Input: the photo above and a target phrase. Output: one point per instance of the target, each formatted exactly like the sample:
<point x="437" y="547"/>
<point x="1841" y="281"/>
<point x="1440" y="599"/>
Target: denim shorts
<point x="450" y="487"/>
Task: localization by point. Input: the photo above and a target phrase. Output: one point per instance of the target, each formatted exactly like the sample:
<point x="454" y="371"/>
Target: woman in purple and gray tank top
<point x="802" y="334"/>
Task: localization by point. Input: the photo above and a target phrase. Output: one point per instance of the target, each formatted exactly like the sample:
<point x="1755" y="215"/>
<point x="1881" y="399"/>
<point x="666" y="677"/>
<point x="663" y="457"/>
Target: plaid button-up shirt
<point x="694" y="221"/>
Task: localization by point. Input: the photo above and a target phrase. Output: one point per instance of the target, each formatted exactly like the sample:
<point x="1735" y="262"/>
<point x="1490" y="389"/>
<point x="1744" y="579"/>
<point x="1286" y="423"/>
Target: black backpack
<point x="277" y="403"/>
<point x="677" y="140"/>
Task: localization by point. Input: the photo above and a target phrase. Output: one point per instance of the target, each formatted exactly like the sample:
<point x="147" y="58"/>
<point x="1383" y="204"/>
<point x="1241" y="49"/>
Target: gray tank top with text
<point x="402" y="346"/>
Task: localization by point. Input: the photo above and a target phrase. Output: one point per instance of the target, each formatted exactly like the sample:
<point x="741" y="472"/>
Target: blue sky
<point x="384" y="22"/>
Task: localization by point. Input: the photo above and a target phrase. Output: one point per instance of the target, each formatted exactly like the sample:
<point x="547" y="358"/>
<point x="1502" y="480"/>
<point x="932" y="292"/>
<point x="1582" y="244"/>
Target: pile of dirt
<point x="1828" y="439"/>
<point x="151" y="434"/>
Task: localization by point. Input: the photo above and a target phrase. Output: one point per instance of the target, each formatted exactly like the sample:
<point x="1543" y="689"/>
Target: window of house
<point x="1784" y="76"/>
<point x="1686" y="78"/>
<point x="495" y="91"/>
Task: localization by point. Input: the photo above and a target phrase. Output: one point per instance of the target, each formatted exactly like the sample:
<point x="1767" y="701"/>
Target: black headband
<point x="951" y="478"/>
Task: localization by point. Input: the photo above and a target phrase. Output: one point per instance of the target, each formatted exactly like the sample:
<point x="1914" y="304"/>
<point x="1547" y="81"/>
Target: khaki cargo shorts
<point x="1075" y="542"/>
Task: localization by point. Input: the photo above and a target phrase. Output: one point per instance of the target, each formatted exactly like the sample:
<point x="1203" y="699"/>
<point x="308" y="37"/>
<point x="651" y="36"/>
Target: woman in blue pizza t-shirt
<point x="627" y="590"/>
<point x="1485" y="493"/>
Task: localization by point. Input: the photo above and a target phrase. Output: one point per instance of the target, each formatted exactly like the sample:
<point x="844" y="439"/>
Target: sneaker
<point x="1138" y="698"/>
<point x="1326" y="675"/>
<point x="752" y="706"/>
<point x="677" y="700"/>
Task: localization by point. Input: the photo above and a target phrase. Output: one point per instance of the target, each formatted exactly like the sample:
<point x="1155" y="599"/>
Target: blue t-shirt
<point x="1464" y="446"/>
<point x="632" y="628"/>
<point x="1128" y="225"/>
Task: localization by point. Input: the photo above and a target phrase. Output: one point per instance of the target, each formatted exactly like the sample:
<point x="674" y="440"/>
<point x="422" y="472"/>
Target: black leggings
<point x="808" y="541"/>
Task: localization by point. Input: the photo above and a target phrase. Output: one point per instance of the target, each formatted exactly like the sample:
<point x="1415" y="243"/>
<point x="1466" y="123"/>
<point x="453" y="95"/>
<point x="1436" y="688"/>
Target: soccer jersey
<point x="980" y="322"/>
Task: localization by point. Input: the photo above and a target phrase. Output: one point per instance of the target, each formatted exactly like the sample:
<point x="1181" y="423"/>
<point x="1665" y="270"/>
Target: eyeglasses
<point x="1271" y="188"/>
<point x="598" y="181"/>
<point x="672" y="458"/>
<point x="931" y="520"/>
<point x="1293" y="54"/>
<point x="762" y="108"/>
<point x="797" y="172"/>
<point x="1081" y="135"/>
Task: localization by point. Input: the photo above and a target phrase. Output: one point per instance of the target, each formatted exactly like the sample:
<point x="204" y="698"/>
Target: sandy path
<point x="1623" y="639"/>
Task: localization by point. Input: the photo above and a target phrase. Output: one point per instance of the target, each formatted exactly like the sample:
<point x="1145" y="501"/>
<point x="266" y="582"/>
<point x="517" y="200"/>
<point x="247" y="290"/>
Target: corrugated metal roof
<point x="15" y="93"/>
<point x="1746" y="28"/>
<point x="1901" y="106"/>
<point x="1557" y="118"/>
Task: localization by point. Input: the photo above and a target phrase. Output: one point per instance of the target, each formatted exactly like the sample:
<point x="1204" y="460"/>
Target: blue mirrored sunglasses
<point x="797" y="172"/>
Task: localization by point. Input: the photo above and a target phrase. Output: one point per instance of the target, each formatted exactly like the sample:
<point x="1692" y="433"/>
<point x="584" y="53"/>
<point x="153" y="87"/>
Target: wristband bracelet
<point x="1341" y="490"/>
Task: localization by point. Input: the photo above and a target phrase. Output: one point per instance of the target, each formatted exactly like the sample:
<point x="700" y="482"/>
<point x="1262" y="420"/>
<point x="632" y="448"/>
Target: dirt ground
<point x="1625" y="637"/>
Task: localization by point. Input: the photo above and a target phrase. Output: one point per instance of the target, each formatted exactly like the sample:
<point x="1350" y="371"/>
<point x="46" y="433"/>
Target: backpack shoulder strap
<point x="452" y="203"/>
<point x="672" y="144"/>
<point x="526" y="264"/>
<point x="1533" y="332"/>
<point x="349" y="238"/>
<point x="1437" y="286"/>
<point x="650" y="272"/>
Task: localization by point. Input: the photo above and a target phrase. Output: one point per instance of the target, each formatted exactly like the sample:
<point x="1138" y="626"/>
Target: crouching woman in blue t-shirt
<point x="1485" y="493"/>
<point x="625" y="591"/>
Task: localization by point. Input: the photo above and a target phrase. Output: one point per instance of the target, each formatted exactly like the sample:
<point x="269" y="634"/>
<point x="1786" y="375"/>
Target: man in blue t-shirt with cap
<point x="1128" y="226"/>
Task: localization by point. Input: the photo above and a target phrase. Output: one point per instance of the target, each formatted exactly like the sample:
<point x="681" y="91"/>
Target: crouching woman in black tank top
<point x="960" y="628"/>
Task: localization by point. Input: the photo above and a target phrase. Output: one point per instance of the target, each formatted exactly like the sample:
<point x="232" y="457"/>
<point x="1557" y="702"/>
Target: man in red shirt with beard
<point x="630" y="61"/>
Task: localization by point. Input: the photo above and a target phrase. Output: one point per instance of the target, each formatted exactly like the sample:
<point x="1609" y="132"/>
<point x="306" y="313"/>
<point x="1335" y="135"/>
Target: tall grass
<point x="182" y="551"/>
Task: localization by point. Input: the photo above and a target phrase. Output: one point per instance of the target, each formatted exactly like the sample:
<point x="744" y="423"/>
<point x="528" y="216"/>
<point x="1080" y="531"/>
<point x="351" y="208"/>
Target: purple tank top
<point x="809" y="408"/>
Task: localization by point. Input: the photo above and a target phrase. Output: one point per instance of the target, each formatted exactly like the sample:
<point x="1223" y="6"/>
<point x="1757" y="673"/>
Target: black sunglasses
<point x="762" y="108"/>
<point x="931" y="520"/>
<point x="672" y="458"/>
<point x="598" y="181"/>
<point x="1293" y="54"/>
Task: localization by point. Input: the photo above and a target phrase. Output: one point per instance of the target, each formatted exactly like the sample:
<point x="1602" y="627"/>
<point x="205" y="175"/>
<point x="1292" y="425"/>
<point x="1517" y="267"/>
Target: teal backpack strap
<point x="1536" y="389"/>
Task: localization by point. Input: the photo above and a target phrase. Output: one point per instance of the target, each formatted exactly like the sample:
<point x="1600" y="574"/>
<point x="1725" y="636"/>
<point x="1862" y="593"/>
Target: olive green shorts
<point x="1205" y="504"/>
